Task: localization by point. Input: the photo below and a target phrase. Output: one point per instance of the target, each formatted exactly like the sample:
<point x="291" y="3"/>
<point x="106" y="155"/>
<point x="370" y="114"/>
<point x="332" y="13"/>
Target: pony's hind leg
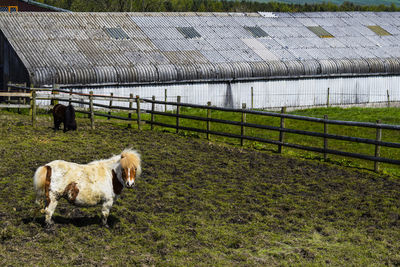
<point x="40" y="205"/>
<point x="50" y="208"/>
<point x="39" y="208"/>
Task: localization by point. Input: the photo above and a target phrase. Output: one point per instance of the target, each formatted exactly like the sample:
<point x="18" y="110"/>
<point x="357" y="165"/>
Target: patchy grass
<point x="386" y="115"/>
<point x="197" y="203"/>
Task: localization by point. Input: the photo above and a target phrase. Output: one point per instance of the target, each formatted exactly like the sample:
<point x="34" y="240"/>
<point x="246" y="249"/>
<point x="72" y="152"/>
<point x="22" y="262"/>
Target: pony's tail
<point x="40" y="178"/>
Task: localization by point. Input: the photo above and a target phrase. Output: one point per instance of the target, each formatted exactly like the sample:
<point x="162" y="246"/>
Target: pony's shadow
<point x="79" y="221"/>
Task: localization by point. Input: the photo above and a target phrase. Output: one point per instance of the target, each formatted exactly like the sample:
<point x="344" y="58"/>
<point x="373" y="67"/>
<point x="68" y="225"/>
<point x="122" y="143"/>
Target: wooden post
<point x="165" y="99"/>
<point x="388" y="98"/>
<point x="24" y="91"/>
<point x="110" y="105"/>
<point x="242" y="128"/>
<point x="70" y="96"/>
<point x="130" y="109"/>
<point x="152" y="112"/>
<point x="9" y="97"/>
<point x="91" y="110"/>
<point x="52" y="98"/>
<point x="19" y="101"/>
<point x="208" y="122"/>
<point x="281" y="133"/>
<point x="54" y="102"/>
<point x="138" y="112"/>
<point x="327" y="98"/>
<point x="377" y="147"/>
<point x="252" y="98"/>
<point x="34" y="108"/>
<point x="31" y="101"/>
<point x="325" y="139"/>
<point x="178" y="111"/>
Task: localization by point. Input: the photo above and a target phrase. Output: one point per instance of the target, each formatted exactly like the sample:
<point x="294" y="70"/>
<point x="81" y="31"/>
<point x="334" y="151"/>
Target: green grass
<point x="197" y="203"/>
<point x="386" y="115"/>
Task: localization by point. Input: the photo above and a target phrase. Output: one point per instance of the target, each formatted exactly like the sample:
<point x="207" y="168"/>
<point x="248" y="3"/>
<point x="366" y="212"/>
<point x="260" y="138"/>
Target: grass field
<point x="197" y="203"/>
<point x="385" y="115"/>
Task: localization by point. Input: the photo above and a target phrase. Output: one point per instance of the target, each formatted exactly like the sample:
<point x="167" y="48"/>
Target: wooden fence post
<point x="377" y="147"/>
<point x="325" y="138"/>
<point x="91" y="110"/>
<point x="25" y="90"/>
<point x="110" y="105"/>
<point x="152" y="112"/>
<point x="130" y="109"/>
<point x="165" y="99"/>
<point x="252" y="98"/>
<point x="178" y="111"/>
<point x="242" y="128"/>
<point x="327" y="98"/>
<point x="54" y="102"/>
<point x="19" y="101"/>
<point x="31" y="101"/>
<point x="33" y="108"/>
<point x="388" y="98"/>
<point x="52" y="98"/>
<point x="70" y="96"/>
<point x="9" y="97"/>
<point x="281" y="133"/>
<point x="208" y="122"/>
<point x="138" y="112"/>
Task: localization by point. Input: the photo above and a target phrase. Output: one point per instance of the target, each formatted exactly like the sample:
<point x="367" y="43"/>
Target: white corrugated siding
<point x="268" y="94"/>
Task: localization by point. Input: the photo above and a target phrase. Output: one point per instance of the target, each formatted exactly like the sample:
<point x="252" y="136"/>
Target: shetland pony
<point x="66" y="115"/>
<point x="98" y="182"/>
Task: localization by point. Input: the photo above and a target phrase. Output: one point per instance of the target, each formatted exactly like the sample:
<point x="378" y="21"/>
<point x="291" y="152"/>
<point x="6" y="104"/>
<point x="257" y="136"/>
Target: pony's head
<point x="130" y="167"/>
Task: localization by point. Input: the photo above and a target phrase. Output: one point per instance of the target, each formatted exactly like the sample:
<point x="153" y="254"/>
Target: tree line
<point x="206" y="6"/>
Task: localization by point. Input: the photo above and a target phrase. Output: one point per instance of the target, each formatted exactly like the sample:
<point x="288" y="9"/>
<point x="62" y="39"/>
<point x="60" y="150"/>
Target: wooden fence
<point x="31" y="95"/>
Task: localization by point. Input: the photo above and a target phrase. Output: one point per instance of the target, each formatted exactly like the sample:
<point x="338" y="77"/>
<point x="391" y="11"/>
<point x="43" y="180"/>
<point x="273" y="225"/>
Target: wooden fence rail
<point x="135" y="107"/>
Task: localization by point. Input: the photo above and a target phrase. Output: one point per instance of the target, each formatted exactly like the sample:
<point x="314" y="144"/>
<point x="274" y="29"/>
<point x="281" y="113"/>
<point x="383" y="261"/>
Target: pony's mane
<point x="130" y="158"/>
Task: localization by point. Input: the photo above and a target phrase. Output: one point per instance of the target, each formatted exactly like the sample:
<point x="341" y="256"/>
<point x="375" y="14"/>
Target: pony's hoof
<point x="104" y="224"/>
<point x="49" y="225"/>
<point x="50" y="228"/>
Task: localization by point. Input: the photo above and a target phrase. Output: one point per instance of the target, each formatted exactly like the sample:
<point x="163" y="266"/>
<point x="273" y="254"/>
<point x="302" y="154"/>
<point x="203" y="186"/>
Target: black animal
<point x="66" y="115"/>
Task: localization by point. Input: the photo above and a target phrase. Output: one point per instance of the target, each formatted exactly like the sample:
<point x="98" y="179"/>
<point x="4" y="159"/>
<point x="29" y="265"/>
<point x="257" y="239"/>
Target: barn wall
<point x="269" y="94"/>
<point x="11" y="67"/>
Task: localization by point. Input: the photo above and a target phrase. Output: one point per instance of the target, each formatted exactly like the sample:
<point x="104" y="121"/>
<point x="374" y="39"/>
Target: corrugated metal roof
<point x="87" y="48"/>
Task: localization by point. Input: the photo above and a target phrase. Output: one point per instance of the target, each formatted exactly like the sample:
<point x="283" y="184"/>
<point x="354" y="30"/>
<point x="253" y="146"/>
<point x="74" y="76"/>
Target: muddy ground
<point x="197" y="203"/>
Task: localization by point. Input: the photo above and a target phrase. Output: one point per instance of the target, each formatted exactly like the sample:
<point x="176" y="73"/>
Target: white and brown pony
<point x="98" y="182"/>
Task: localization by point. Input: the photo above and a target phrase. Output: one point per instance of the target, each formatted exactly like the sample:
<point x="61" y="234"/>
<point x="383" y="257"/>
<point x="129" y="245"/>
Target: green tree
<point x="207" y="5"/>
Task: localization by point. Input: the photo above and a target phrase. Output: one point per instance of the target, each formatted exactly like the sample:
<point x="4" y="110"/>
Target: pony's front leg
<point x="105" y="211"/>
<point x="57" y="124"/>
<point x="49" y="210"/>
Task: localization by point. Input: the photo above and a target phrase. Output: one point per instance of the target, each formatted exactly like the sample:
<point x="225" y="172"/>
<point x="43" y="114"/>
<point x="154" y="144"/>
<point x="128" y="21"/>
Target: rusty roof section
<point x="125" y="48"/>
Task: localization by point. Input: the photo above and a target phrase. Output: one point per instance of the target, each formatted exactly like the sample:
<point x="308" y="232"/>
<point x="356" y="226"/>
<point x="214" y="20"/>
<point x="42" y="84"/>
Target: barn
<point x="266" y="60"/>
